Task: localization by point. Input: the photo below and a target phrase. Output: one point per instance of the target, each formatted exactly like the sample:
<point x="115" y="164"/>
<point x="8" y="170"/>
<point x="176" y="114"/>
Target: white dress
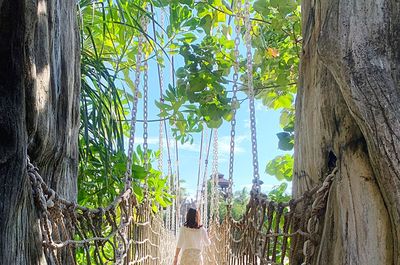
<point x="191" y="241"/>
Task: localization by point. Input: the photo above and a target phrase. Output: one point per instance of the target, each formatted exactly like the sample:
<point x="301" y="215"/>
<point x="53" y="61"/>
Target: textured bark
<point x="348" y="107"/>
<point x="39" y="115"/>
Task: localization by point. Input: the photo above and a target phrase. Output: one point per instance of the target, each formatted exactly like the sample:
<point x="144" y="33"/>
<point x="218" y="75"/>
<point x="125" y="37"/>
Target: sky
<point x="267" y="125"/>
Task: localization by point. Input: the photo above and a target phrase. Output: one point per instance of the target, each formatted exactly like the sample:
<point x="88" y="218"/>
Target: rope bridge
<point x="126" y="232"/>
<point x="262" y="234"/>
<point x="129" y="232"/>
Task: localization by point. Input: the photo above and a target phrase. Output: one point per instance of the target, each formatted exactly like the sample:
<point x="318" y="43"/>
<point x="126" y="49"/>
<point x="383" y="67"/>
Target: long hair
<point x="193" y="219"/>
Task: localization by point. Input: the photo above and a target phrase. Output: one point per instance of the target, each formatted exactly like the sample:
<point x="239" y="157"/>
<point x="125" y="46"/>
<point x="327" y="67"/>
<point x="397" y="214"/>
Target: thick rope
<point x="261" y="235"/>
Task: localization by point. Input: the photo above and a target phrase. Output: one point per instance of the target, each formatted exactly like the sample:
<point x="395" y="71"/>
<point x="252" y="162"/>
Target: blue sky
<point x="267" y="127"/>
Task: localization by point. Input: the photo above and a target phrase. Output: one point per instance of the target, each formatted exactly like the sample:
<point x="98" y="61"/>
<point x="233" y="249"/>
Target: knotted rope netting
<point x="129" y="232"/>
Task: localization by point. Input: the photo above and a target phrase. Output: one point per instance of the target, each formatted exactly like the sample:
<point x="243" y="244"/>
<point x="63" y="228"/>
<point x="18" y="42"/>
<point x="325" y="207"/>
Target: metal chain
<point x="214" y="181"/>
<point x="161" y="81"/>
<point x="161" y="147"/>
<point x="161" y="124"/>
<point x="123" y="235"/>
<point x="145" y="122"/>
<point x="170" y="179"/>
<point x="177" y="186"/>
<point x="205" y="186"/>
<point x="128" y="173"/>
<point x="256" y="181"/>
<point x="173" y="185"/>
<point x="145" y="114"/>
<point x="205" y="206"/>
<point x="198" y="188"/>
<point x="234" y="105"/>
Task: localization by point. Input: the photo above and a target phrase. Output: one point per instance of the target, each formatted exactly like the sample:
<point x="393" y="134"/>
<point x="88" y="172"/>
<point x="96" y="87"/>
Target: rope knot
<point x="314" y="238"/>
<point x="307" y="195"/>
<point x="292" y="203"/>
<point x="50" y="197"/>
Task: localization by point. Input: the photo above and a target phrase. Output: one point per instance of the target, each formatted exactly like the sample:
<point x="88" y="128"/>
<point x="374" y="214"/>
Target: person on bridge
<point x="192" y="240"/>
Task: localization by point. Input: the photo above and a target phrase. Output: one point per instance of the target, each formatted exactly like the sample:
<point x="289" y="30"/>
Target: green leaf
<point x="206" y="23"/>
<point x="180" y="72"/>
<point x="138" y="192"/>
<point x="261" y="7"/>
<point x="278" y="194"/>
<point x="281" y="167"/>
<point x="284" y="101"/>
<point x="138" y="172"/>
<point x="188" y="37"/>
<point x="214" y="123"/>
<point x="286" y="141"/>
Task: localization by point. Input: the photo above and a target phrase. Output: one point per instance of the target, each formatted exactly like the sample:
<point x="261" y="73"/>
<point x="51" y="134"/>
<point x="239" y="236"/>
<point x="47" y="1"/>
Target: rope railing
<point x="262" y="235"/>
<point x="129" y="232"/>
<point x="72" y="232"/>
<point x="92" y="236"/>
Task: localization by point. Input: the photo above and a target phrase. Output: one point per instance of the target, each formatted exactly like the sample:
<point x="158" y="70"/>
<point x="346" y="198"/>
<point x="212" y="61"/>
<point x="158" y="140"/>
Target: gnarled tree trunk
<point x="39" y="115"/>
<point x="348" y="108"/>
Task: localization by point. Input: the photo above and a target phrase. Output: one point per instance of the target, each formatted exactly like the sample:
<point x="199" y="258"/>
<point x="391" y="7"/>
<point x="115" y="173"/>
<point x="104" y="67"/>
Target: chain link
<point x="145" y="122"/>
<point x="145" y="114"/>
<point x="161" y="132"/>
<point x="234" y="105"/>
<point x="173" y="186"/>
<point x="199" y="167"/>
<point x="170" y="179"/>
<point x="177" y="186"/>
<point x="256" y="181"/>
<point x="214" y="181"/>
<point x="205" y="186"/>
<point x="128" y="173"/>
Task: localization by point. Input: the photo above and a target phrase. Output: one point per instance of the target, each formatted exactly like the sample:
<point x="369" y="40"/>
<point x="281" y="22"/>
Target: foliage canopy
<point x="201" y="33"/>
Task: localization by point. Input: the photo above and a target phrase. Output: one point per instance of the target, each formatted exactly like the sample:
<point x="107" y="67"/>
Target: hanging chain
<point x="256" y="181"/>
<point x="214" y="181"/>
<point x="125" y="217"/>
<point x="234" y="105"/>
<point x="161" y="147"/>
<point x="173" y="186"/>
<point x="170" y="180"/>
<point x="205" y="186"/>
<point x="145" y="124"/>
<point x="177" y="186"/>
<point x="161" y="81"/>
<point x="198" y="188"/>
<point x="128" y="173"/>
<point x="145" y="115"/>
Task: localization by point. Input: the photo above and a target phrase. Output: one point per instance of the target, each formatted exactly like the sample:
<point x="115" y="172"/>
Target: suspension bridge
<point x="130" y="232"/>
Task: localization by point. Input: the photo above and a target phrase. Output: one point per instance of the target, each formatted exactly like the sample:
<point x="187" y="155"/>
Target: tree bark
<point x="348" y="108"/>
<point x="39" y="106"/>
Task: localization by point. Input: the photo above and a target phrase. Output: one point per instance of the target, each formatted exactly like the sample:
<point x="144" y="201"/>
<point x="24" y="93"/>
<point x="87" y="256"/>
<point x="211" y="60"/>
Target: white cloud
<point x="246" y="123"/>
<point x="150" y="140"/>
<point x="223" y="160"/>
<point x="189" y="147"/>
<point x="260" y="106"/>
<point x="224" y="144"/>
<point x="265" y="187"/>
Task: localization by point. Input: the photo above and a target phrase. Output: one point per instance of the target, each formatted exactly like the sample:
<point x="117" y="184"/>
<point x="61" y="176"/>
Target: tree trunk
<point x="39" y="115"/>
<point x="348" y="109"/>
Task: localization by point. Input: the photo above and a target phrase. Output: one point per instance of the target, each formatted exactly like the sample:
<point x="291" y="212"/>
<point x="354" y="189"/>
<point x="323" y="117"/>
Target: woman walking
<point x="192" y="239"/>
